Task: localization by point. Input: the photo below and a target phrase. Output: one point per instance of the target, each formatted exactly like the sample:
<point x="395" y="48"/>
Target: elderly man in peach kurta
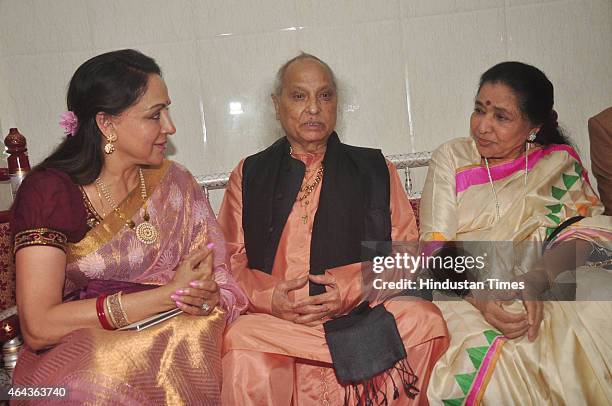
<point x="288" y="238"/>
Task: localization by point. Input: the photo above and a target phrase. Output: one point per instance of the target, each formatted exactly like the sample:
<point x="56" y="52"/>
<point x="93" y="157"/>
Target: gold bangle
<point x="109" y="314"/>
<point x="116" y="310"/>
<point x="122" y="309"/>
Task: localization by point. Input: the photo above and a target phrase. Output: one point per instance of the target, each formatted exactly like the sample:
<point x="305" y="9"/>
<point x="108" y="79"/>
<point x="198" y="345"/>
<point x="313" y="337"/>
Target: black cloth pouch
<point x="365" y="347"/>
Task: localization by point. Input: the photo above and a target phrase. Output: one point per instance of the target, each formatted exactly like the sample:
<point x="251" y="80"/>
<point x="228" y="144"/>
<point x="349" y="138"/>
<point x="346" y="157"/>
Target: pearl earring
<point x="532" y="136"/>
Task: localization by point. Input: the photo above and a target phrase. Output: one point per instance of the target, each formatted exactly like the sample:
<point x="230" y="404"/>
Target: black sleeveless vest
<point x="353" y="205"/>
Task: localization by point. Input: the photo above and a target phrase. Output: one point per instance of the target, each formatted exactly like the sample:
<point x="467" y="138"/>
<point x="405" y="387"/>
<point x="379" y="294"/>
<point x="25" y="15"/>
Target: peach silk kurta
<point x="268" y="360"/>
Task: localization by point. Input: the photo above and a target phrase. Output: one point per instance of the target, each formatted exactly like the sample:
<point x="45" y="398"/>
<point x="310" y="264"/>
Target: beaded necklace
<point x="145" y="231"/>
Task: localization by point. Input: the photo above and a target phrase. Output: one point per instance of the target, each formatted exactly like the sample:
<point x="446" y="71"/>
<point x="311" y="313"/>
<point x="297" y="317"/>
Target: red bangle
<point x="101" y="315"/>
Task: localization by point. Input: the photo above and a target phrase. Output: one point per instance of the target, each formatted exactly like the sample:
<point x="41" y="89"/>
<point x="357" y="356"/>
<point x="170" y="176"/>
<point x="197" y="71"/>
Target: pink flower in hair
<point x="69" y="122"/>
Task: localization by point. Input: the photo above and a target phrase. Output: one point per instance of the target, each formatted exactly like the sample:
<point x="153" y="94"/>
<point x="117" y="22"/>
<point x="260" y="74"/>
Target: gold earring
<point x="109" y="148"/>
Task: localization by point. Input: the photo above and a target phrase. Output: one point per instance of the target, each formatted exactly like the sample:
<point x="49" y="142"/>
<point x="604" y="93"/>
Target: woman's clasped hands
<point x="193" y="287"/>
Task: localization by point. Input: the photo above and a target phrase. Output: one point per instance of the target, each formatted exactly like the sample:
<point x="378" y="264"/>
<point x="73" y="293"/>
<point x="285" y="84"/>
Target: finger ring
<point x="205" y="306"/>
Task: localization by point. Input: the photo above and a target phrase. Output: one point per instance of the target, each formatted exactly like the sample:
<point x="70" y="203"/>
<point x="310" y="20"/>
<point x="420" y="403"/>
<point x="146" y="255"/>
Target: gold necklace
<point x="307" y="189"/>
<point x="145" y="231"/>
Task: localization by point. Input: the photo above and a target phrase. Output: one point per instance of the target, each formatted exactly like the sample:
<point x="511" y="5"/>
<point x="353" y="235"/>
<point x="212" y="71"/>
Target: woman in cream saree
<point x="569" y="360"/>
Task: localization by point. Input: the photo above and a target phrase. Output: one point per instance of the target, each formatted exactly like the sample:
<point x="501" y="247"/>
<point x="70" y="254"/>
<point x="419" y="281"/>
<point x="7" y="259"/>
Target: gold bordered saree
<point x="175" y="362"/>
<point x="570" y="361"/>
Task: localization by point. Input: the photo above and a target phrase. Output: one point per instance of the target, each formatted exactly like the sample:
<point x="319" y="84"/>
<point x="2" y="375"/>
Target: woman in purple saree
<point x="160" y="248"/>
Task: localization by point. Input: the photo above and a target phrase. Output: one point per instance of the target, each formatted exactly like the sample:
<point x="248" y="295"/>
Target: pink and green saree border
<point x="477" y="175"/>
<point x="484" y="358"/>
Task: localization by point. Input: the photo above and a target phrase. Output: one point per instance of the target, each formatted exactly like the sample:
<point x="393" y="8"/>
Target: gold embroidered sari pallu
<point x="175" y="362"/>
<point x="570" y="361"/>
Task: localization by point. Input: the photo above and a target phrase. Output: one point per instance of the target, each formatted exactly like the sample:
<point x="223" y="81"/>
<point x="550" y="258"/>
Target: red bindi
<point x="488" y="103"/>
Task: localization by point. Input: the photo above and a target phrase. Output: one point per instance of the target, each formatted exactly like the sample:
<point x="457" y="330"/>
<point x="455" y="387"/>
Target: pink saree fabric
<point x="175" y="362"/>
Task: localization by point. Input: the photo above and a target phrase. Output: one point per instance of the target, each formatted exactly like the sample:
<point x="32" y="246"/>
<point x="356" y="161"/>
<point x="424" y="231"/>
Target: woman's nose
<point x="484" y="124"/>
<point x="167" y="125"/>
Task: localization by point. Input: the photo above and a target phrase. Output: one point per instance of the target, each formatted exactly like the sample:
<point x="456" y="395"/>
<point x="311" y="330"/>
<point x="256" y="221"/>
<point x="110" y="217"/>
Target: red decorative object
<point x="101" y="314"/>
<point x="18" y="162"/>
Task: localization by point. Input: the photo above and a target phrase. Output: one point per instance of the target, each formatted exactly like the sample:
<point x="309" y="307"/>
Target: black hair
<point x="535" y="94"/>
<point x="109" y="83"/>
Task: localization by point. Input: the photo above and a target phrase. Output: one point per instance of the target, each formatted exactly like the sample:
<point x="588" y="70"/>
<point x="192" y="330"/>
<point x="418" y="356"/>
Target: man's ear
<point x="276" y="105"/>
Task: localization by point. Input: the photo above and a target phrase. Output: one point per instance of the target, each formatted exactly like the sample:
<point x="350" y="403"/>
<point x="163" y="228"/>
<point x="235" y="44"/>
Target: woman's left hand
<point x="535" y="314"/>
<point x="199" y="299"/>
<point x="315" y="310"/>
<point x="534" y="284"/>
<point x="533" y="288"/>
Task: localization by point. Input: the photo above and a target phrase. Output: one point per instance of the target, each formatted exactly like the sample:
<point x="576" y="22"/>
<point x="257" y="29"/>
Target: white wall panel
<point x="571" y="41"/>
<point x="326" y="13"/>
<point x="233" y="70"/>
<point x="445" y="55"/>
<point x="38" y="27"/>
<point x="36" y="90"/>
<point x="231" y="17"/>
<point x="129" y="23"/>
<point x="408" y="68"/>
